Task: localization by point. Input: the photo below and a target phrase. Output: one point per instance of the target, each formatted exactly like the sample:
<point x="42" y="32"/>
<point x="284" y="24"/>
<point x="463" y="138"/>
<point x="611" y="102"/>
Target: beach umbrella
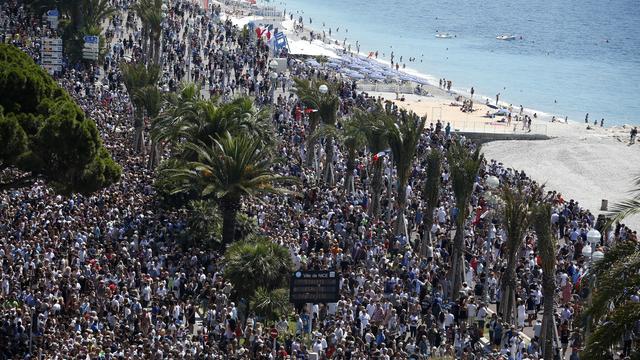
<point x="355" y="75"/>
<point x="313" y="63"/>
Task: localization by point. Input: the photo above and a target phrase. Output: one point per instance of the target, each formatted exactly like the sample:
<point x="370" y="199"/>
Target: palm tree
<point x="463" y="166"/>
<point x="250" y="265"/>
<point x="403" y="136"/>
<point x="94" y="12"/>
<point x="151" y="100"/>
<point x="271" y="304"/>
<point x="371" y="123"/>
<point x="177" y="108"/>
<point x="150" y="13"/>
<point x="354" y="140"/>
<point x="327" y="105"/>
<point x="541" y="219"/>
<point x="430" y="194"/>
<point x="612" y="311"/>
<point x="189" y="119"/>
<point x="230" y="169"/>
<point x="351" y="136"/>
<point x="626" y="208"/>
<point x="516" y="213"/>
<point x="135" y="77"/>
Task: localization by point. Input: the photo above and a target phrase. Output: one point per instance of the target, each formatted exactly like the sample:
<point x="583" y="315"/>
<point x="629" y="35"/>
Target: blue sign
<point x="280" y="41"/>
<point x="53" y="12"/>
<point x="90" y="39"/>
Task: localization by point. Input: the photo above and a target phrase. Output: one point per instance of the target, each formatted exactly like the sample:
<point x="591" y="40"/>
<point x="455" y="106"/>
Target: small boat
<point x="444" y="35"/>
<point x="506" y="37"/>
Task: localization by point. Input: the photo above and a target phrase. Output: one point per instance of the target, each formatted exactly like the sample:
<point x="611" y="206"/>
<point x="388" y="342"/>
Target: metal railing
<point x="268" y="12"/>
<point x="495" y="127"/>
<point x="388" y="87"/>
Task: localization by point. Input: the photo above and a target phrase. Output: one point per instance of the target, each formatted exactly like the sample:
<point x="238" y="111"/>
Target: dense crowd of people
<point x="105" y="276"/>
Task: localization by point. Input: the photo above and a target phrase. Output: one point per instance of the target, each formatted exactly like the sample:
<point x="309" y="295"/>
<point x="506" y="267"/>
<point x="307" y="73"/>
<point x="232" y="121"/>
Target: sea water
<point x="571" y="57"/>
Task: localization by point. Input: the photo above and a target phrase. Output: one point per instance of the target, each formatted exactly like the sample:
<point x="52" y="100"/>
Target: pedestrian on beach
<point x="472" y="92"/>
<point x="497" y="98"/>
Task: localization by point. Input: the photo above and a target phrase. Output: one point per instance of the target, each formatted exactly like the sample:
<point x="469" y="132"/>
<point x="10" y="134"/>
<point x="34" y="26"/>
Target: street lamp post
<point x="593" y="257"/>
<point x="492" y="183"/>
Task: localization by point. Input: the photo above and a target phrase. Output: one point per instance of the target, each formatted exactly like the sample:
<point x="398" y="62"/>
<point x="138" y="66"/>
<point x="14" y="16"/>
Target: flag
<point x="259" y="32"/>
<point x="379" y="155"/>
<point x="268" y="35"/>
<point x="578" y="279"/>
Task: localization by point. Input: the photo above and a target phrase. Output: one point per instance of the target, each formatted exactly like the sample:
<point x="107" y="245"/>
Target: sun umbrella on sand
<point x="375" y="76"/>
<point x="355" y="75"/>
<point x="313" y="63"/>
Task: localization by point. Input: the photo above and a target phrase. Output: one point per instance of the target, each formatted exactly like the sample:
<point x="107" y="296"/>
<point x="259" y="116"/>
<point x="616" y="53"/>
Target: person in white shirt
<point x="364" y="319"/>
<point x="522" y="314"/>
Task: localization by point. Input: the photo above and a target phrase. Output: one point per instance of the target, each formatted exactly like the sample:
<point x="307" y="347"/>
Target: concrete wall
<point x="482" y="138"/>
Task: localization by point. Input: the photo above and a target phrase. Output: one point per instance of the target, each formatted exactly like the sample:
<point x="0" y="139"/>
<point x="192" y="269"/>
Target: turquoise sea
<point x="574" y="56"/>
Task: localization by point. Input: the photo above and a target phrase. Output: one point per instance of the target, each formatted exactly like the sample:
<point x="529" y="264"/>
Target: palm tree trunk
<point x="145" y="37"/>
<point x="310" y="155"/>
<point x="457" y="253"/>
<point x="138" y="124"/>
<point x="313" y="123"/>
<point x="427" y="221"/>
<point x="376" y="189"/>
<point x="508" y="289"/>
<point x="229" y="209"/>
<point x="549" y="287"/>
<point x="76" y="15"/>
<point x="350" y="167"/>
<point x="156" y="59"/>
<point x="329" y="177"/>
<point x="401" y="226"/>
<point x="154" y="156"/>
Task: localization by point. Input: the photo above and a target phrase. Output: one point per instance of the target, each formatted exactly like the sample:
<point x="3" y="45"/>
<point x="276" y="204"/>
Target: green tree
<point x="44" y="135"/>
<point x="271" y="304"/>
<point x="371" y="124"/>
<point x="230" y="169"/>
<point x="626" y="208"/>
<point x="151" y="100"/>
<point x="546" y="249"/>
<point x="517" y="215"/>
<point x="150" y="14"/>
<point x="612" y="312"/>
<point x="464" y="166"/>
<point x="135" y="77"/>
<point x="403" y="136"/>
<point x="327" y="105"/>
<point x="186" y="118"/>
<point x="430" y="194"/>
<point x="353" y="139"/>
<point x="250" y="265"/>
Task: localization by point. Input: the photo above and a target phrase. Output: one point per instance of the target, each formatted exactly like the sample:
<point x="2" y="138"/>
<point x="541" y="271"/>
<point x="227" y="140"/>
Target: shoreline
<point x="584" y="164"/>
<point x="530" y="109"/>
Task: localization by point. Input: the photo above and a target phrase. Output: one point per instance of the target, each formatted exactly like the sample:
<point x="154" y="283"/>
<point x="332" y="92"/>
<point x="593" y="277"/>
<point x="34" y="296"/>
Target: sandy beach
<point x="585" y="165"/>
